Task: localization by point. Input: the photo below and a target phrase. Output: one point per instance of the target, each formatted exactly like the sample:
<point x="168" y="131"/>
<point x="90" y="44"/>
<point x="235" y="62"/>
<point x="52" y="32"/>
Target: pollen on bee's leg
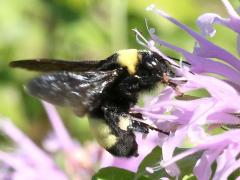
<point x="176" y="88"/>
<point x="178" y="91"/>
<point x="165" y="78"/>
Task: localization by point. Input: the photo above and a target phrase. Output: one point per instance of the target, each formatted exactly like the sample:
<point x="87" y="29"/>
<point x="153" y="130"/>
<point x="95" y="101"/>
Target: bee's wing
<point x="80" y="90"/>
<point x="50" y="65"/>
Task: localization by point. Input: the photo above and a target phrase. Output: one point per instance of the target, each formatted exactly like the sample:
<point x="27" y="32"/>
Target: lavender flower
<point x="28" y="161"/>
<point x="194" y="120"/>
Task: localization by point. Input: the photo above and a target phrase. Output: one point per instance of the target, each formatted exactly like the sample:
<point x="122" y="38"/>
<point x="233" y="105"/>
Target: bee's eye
<point x="151" y="64"/>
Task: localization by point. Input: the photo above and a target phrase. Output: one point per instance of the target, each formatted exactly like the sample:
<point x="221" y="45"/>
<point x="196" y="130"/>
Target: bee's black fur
<point x="122" y="95"/>
<point x="106" y="90"/>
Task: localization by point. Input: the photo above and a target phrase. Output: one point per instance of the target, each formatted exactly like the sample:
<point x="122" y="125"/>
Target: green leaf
<point x="149" y="161"/>
<point x="235" y="174"/>
<point x="111" y="173"/>
<point x="185" y="165"/>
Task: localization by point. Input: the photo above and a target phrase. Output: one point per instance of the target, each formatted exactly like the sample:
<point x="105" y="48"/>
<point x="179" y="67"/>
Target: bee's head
<point x="152" y="64"/>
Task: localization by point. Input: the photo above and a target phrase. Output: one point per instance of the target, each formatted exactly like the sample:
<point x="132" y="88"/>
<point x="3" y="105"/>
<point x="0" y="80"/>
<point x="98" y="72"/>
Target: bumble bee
<point x="105" y="90"/>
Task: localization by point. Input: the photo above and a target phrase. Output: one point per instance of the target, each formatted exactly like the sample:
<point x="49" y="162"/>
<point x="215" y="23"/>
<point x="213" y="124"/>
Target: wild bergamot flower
<point x="195" y="119"/>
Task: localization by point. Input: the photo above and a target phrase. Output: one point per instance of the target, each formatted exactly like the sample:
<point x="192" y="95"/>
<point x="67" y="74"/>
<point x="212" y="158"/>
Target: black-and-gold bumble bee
<point x="105" y="90"/>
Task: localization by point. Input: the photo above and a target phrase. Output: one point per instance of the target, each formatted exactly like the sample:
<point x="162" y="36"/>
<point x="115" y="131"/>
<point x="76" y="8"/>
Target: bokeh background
<point x="81" y="29"/>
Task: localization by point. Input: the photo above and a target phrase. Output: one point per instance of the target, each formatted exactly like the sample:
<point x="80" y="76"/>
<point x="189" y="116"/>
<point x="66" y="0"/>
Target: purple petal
<point x="206" y="48"/>
<point x="202" y="168"/>
<point x="206" y="21"/>
<point x="196" y="134"/>
<point x="226" y="160"/>
<point x="210" y="142"/>
<point x="230" y="9"/>
<point x="231" y="169"/>
<point x="203" y="65"/>
<point x="51" y="143"/>
<point x="234" y="22"/>
<point x="217" y="88"/>
<point x="24" y="142"/>
<point x="16" y="163"/>
<point x="238" y="44"/>
<point x="31" y="157"/>
<point x="57" y="124"/>
<point x="180" y="156"/>
<point x="173" y="141"/>
<point x="219" y="108"/>
<point x="223" y="118"/>
<point x="173" y="170"/>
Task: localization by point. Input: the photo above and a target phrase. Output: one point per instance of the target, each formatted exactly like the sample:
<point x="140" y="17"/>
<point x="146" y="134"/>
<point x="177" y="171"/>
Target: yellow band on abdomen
<point x="102" y="132"/>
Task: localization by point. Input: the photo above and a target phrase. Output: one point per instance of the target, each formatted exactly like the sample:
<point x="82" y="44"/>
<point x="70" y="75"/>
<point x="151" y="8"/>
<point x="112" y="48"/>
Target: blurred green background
<point x="82" y="29"/>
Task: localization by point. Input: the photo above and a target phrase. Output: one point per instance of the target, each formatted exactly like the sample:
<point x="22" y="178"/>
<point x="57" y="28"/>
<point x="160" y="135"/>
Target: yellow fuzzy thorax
<point x="128" y="58"/>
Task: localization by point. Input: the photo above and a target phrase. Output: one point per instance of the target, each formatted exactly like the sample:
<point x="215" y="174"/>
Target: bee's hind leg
<point x="139" y="126"/>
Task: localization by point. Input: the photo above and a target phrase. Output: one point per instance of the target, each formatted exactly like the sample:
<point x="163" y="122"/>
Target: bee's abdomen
<point x="118" y="142"/>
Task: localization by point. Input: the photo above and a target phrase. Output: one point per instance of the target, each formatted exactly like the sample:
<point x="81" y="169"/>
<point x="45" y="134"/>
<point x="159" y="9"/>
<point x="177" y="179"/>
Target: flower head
<point x="28" y="161"/>
<point x="196" y="118"/>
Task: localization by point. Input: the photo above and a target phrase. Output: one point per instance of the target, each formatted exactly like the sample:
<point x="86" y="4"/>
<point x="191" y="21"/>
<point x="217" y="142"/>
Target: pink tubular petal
<point x="206" y="48"/>
<point x="203" y="65"/>
<point x="205" y="23"/>
<point x="180" y="156"/>
<point x="207" y="20"/>
<point x="165" y="95"/>
<point x="223" y="118"/>
<point x="219" y="108"/>
<point x="203" y="169"/>
<point x="57" y="124"/>
<point x="217" y="88"/>
<point x="25" y="143"/>
<point x="226" y="160"/>
<point x="51" y="144"/>
<point x="157" y="116"/>
<point x="14" y="162"/>
<point x="232" y="13"/>
<point x="196" y="134"/>
<point x="172" y="142"/>
<point x="31" y="159"/>
<point x="200" y="114"/>
<point x="238" y="44"/>
<point x="224" y="138"/>
<point x="191" y="105"/>
<point x="231" y="169"/>
<point x="209" y="143"/>
<point x="173" y="170"/>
